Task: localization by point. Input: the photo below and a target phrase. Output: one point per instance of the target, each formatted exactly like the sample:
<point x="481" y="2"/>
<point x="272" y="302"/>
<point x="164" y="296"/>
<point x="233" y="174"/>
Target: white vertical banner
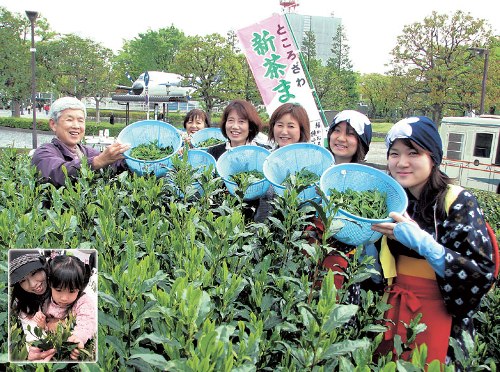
<point x="275" y="63"/>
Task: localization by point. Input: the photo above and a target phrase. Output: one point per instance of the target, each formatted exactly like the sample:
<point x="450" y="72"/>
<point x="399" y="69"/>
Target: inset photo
<point x="52" y="305"/>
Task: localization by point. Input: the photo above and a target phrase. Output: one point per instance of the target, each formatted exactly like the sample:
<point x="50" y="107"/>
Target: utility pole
<point x="486" y="53"/>
<point x="32" y="16"/>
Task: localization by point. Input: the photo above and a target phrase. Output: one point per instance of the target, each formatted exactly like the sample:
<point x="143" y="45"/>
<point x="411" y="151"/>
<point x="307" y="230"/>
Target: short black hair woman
<point x="195" y="120"/>
<point x="240" y="124"/>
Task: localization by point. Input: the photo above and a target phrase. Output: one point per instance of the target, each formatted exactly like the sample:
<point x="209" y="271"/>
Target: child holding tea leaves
<point x="67" y="279"/>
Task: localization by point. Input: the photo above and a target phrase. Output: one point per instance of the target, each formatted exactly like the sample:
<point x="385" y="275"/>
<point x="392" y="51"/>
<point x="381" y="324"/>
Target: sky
<point x="371" y="26"/>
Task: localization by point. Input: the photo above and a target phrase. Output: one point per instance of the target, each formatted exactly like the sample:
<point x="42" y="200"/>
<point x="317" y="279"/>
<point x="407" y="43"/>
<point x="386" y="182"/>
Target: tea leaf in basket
<point x="304" y="177"/>
<point x="370" y="204"/>
<point x="247" y="177"/>
<point x="210" y="142"/>
<point x="151" y="151"/>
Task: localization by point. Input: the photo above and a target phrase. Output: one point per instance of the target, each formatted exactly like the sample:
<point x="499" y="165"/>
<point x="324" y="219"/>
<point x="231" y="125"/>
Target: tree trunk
<point x="15" y="108"/>
<point x="437" y="111"/>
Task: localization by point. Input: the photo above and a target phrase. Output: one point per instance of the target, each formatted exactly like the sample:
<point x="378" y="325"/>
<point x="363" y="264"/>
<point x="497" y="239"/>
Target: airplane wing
<point x="123" y="88"/>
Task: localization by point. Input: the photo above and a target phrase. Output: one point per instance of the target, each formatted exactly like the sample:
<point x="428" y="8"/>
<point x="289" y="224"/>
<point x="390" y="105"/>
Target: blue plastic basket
<point x="200" y="160"/>
<point x="204" y="134"/>
<point x="242" y="159"/>
<point x="293" y="158"/>
<point x="359" y="177"/>
<point x="144" y="132"/>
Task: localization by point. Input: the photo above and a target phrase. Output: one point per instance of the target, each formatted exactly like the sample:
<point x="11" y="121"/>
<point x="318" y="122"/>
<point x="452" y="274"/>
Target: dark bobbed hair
<point x="28" y="303"/>
<point x="297" y="112"/>
<point x="68" y="272"/>
<point x="247" y="111"/>
<point x="193" y="114"/>
<point x="434" y="191"/>
<point x="360" y="154"/>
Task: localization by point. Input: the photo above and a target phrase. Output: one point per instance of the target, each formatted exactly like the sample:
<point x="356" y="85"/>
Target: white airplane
<point x="160" y="84"/>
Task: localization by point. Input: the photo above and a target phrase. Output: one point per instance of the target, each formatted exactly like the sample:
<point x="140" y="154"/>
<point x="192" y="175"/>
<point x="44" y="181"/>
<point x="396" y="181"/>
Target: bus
<point x="471" y="147"/>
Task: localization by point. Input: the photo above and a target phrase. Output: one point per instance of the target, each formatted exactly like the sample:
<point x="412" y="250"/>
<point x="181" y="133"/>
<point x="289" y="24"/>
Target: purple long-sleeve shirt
<point x="49" y="159"/>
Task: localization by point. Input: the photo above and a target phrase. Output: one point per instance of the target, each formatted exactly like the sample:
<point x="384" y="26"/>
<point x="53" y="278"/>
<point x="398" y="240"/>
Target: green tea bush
<point x="189" y="283"/>
<point x="490" y="203"/>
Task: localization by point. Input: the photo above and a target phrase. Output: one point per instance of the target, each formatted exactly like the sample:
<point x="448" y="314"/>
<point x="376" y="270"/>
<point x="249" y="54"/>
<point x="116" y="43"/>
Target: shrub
<point x="188" y="281"/>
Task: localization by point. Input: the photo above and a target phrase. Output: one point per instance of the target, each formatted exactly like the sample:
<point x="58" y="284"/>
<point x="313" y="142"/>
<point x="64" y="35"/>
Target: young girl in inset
<point x="67" y="279"/>
<point x="28" y="280"/>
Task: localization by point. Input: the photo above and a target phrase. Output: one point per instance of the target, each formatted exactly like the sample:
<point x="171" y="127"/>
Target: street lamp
<point x="167" y="86"/>
<point x="32" y="17"/>
<point x="486" y="53"/>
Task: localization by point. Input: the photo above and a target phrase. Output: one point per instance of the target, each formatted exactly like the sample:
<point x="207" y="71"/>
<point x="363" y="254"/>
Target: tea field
<point x="191" y="283"/>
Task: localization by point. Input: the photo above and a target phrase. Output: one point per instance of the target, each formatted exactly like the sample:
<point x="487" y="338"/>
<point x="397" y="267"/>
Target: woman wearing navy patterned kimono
<point x="437" y="257"/>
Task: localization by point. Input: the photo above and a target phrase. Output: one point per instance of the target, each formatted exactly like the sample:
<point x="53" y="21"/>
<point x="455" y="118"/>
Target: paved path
<point x="22" y="138"/>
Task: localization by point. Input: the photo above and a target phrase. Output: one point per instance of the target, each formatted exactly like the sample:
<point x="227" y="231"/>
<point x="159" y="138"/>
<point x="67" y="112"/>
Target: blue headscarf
<point x="359" y="122"/>
<point x="422" y="131"/>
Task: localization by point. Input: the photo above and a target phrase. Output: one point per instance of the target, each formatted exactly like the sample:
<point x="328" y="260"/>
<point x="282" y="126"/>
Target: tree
<point x="79" y="67"/>
<point x="340" y="51"/>
<point x="251" y="92"/>
<point x="211" y="67"/>
<point x="15" y="57"/>
<point x="434" y="55"/>
<point x="308" y="48"/>
<point x="344" y="92"/>
<point x="150" y="51"/>
<point x="375" y="92"/>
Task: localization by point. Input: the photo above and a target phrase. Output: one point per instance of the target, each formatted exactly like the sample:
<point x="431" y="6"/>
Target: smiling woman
<point x="27" y="276"/>
<point x="288" y="124"/>
<point x="67" y="121"/>
<point x="240" y="124"/>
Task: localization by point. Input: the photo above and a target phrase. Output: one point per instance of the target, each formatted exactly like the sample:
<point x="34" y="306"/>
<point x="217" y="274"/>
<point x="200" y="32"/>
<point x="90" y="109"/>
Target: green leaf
<point x="344" y="347"/>
<point x="117" y="344"/>
<point x="157" y="339"/>
<point x="109" y="321"/>
<point x="109" y="299"/>
<point x="89" y="367"/>
<point x="309" y="249"/>
<point x="340" y="315"/>
<point x="374" y="328"/>
<point x="155" y="360"/>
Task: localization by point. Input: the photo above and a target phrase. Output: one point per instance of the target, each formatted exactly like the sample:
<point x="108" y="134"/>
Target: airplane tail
<point x="129" y="77"/>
